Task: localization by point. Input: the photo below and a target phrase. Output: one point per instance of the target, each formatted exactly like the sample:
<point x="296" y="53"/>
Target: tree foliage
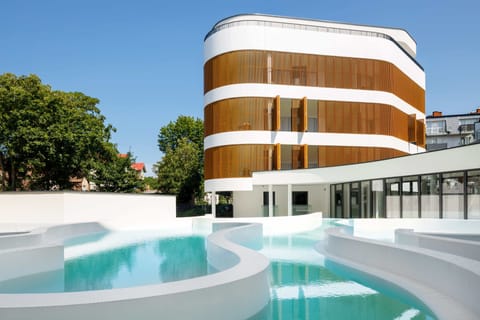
<point x="180" y="172"/>
<point x="48" y="136"/>
<point x="116" y="175"/>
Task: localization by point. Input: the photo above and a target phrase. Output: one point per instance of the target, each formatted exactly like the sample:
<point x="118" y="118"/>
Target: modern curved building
<point x="286" y="93"/>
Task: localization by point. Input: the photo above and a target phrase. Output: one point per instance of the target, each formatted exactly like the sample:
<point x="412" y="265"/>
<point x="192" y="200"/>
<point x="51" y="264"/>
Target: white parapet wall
<point x="271" y="225"/>
<point x="385" y="228"/>
<point x="21" y="211"/>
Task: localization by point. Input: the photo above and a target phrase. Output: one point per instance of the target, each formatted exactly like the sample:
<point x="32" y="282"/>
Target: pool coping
<point x="446" y="284"/>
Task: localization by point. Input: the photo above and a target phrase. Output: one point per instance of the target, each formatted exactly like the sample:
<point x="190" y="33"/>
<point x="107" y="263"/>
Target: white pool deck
<point x="435" y="261"/>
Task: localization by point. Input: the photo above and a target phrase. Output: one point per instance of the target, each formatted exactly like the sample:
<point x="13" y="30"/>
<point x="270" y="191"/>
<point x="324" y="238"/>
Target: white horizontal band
<point x="310" y="138"/>
<point x="270" y="38"/>
<point x="230" y="184"/>
<point x="400" y="35"/>
<point x="312" y="93"/>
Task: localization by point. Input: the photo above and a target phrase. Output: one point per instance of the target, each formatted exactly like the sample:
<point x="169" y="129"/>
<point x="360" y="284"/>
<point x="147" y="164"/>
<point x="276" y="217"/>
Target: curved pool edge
<point x="443" y="284"/>
<point x="238" y="292"/>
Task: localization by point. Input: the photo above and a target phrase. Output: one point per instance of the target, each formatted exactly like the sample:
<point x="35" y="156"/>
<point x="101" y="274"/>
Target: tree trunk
<point x="12" y="176"/>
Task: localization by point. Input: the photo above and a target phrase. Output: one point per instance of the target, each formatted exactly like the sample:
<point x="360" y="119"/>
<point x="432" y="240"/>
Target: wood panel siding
<point x="249" y="113"/>
<point x="256" y="66"/>
<point x="239" y="161"/>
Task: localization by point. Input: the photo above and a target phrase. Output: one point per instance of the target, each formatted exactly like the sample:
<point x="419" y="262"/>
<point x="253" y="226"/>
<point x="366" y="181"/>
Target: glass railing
<point x="466" y="128"/>
<point x="265" y="211"/>
<point x="307" y="27"/>
<point x="299" y="209"/>
<point x="436" y="130"/>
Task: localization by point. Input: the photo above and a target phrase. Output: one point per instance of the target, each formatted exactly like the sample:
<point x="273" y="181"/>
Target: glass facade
<point x="393" y="209"/>
<point x="448" y="195"/>
<point x="473" y="194"/>
<point x="430" y="196"/>
<point x="452" y="195"/>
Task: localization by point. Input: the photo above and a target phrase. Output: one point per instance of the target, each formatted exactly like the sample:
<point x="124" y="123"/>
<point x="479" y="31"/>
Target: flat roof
<point x="398" y="35"/>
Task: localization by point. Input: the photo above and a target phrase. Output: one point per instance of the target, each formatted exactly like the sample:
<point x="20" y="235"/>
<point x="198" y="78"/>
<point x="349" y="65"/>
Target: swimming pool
<point x="92" y="264"/>
<point x="301" y="286"/>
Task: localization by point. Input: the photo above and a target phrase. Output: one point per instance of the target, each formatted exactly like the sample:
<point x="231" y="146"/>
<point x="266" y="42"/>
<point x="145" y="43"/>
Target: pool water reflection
<point x="149" y="262"/>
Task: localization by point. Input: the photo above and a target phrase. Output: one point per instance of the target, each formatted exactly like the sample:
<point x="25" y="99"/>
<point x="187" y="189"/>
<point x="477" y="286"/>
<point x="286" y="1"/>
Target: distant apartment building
<point x="447" y="131"/>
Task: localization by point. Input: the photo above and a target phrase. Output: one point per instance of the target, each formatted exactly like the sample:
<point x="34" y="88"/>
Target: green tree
<point x="180" y="172"/>
<point x="184" y="127"/>
<point x="151" y="183"/>
<point x="48" y="136"/>
<point x="116" y="174"/>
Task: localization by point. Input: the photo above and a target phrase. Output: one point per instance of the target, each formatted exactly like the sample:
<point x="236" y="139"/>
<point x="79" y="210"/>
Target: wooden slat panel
<point x="251" y="66"/>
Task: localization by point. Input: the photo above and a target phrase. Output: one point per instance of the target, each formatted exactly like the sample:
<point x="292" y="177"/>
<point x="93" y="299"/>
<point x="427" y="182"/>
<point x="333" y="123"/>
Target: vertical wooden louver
<point x="278" y="157"/>
<point x="276" y="113"/>
<point x="304" y="151"/>
<point x="412" y="128"/>
<point x="304" y="113"/>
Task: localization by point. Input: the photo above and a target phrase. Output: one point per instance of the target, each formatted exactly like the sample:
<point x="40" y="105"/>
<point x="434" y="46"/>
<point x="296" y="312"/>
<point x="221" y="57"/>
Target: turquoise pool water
<point x="301" y="288"/>
<point x="134" y="264"/>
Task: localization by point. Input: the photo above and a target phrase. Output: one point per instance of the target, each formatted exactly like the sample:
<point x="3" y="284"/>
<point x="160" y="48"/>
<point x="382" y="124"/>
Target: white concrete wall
<point x="271" y="226"/>
<point x="40" y="250"/>
<point x="113" y="210"/>
<point x="453" y="245"/>
<point x="447" y="284"/>
<point x="385" y="228"/>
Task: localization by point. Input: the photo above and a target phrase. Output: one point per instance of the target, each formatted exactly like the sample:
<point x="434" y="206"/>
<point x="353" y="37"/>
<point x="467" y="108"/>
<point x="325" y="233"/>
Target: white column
<point x="270" y="200"/>
<point x="289" y="199"/>
<point x="214" y="204"/>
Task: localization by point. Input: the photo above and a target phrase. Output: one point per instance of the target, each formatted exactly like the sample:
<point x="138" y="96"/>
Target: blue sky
<point x="144" y="59"/>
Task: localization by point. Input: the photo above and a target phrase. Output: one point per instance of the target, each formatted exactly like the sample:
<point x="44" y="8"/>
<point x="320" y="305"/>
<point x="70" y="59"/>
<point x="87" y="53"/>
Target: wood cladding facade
<point x="305" y="115"/>
<point x="239" y="161"/>
<point x="256" y="66"/>
<point x="253" y="113"/>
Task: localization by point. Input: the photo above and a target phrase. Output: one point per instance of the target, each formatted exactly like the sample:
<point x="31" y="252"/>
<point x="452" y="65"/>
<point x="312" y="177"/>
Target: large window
<point x="430" y="196"/>
<point x="453" y="201"/>
<point x="355" y="200"/>
<point x="436" y="127"/>
<point x="299" y="202"/>
<point x="449" y="195"/>
<point x="266" y="204"/>
<point x="473" y="193"/>
<point x="410" y="192"/>
<point x="393" y="198"/>
<point x="378" y="199"/>
<point x="366" y="203"/>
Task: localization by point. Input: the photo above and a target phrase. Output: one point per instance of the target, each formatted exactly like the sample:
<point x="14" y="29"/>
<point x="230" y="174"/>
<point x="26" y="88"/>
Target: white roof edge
<point x="401" y="36"/>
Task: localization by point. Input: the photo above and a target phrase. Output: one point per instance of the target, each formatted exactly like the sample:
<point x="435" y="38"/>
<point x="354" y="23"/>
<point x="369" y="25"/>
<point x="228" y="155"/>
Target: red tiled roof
<point x="138" y="166"/>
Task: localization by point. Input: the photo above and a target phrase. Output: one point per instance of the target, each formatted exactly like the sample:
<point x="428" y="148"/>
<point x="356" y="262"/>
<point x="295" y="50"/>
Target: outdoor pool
<point x="138" y="262"/>
<point x="301" y="286"/>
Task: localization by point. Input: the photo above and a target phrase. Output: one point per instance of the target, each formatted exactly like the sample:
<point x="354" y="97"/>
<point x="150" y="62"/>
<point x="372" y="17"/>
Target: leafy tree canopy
<point x="180" y="172"/>
<point x="49" y="136"/>
<point x="184" y="127"/>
